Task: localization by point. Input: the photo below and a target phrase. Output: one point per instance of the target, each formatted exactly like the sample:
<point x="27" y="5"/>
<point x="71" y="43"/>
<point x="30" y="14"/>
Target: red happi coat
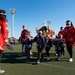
<point x="23" y="33"/>
<point x="69" y="35"/>
<point x="3" y="33"/>
<point x="60" y="33"/>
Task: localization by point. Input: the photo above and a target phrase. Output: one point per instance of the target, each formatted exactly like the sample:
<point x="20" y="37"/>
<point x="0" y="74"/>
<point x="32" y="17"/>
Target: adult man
<point x="23" y="37"/>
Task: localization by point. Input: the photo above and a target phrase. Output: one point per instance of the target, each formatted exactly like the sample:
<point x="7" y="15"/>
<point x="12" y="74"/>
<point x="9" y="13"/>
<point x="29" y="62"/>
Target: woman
<point x="3" y="33"/>
<point x="69" y="35"/>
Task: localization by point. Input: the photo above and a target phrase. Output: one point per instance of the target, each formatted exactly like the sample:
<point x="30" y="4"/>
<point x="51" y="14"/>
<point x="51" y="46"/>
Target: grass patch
<point x="13" y="62"/>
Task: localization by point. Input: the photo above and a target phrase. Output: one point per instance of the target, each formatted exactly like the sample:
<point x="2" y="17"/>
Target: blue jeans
<point x="23" y="48"/>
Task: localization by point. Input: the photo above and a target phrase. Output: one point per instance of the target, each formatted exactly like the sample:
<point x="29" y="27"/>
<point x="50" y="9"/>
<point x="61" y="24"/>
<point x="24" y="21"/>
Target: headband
<point x="2" y="13"/>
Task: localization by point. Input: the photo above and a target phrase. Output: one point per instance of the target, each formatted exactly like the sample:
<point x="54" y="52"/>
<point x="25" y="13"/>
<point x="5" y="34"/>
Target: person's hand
<point x="9" y="46"/>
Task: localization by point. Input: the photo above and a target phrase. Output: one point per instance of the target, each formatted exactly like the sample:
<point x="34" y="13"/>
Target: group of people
<point x="66" y="35"/>
<point x="41" y="42"/>
<point x="64" y="38"/>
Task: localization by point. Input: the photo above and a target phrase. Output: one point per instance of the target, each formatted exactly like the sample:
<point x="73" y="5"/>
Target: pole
<point x="12" y="25"/>
<point x="12" y="11"/>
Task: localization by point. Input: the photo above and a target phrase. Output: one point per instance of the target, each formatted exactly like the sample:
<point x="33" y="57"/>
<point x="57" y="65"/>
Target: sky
<point x="33" y="13"/>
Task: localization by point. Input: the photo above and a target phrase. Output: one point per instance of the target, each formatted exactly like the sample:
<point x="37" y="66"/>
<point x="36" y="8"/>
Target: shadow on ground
<point x="17" y="57"/>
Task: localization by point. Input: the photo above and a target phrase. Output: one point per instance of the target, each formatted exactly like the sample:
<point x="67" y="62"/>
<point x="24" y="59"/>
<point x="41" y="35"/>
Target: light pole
<point x="48" y="22"/>
<point x="13" y="12"/>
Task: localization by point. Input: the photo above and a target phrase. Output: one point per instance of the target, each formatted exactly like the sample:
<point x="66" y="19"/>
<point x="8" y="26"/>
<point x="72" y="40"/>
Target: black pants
<point x="27" y="51"/>
<point x="40" y="49"/>
<point x="62" y="51"/>
<point x="0" y="55"/>
<point x="47" y="53"/>
<point x="59" y="53"/>
<point x="40" y="55"/>
<point x="70" y="51"/>
<point x="47" y="48"/>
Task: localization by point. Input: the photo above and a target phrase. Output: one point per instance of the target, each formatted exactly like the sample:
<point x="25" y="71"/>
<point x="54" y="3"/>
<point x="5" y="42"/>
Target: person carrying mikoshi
<point x="69" y="36"/>
<point x="40" y="45"/>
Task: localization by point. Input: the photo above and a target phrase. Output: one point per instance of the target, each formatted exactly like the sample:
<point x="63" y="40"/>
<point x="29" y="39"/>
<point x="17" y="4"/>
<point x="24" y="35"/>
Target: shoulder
<point x="35" y="37"/>
<point x="65" y="29"/>
<point x="60" y="32"/>
<point x="73" y="27"/>
<point x="24" y="30"/>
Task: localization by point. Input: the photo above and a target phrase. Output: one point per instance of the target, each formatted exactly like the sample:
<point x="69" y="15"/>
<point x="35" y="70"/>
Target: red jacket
<point x="3" y="33"/>
<point x="60" y="33"/>
<point x="23" y="33"/>
<point x="69" y="35"/>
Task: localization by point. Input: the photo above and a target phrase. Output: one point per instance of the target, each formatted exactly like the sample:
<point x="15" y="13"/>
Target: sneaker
<point x="58" y="59"/>
<point x="2" y="71"/>
<point x="38" y="62"/>
<point x="31" y="53"/>
<point x="70" y="60"/>
<point x="30" y="56"/>
<point x="48" y="58"/>
<point x="56" y="54"/>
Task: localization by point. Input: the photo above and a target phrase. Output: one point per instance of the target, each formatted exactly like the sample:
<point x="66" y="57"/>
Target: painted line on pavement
<point x="63" y="67"/>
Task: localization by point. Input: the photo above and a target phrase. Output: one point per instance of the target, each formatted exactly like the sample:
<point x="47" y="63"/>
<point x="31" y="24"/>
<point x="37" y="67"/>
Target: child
<point x="30" y="35"/>
<point x="40" y="45"/>
<point x="60" y="33"/>
<point x="48" y="46"/>
<point x="58" y="46"/>
<point x="28" y="45"/>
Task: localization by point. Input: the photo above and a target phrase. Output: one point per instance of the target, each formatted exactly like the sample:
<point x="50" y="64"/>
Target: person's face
<point x="37" y="31"/>
<point x="24" y="27"/>
<point x="3" y="17"/>
<point x="68" y="24"/>
<point x="61" y="28"/>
